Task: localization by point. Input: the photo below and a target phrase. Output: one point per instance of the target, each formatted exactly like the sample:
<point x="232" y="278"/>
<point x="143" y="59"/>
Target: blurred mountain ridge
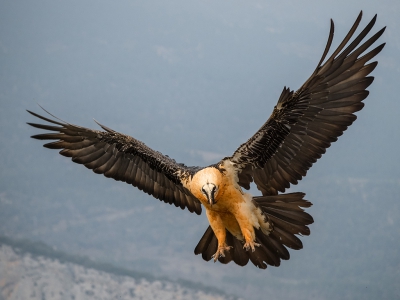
<point x="36" y="270"/>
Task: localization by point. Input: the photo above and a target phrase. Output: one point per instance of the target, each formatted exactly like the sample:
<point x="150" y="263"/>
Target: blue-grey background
<point x="194" y="80"/>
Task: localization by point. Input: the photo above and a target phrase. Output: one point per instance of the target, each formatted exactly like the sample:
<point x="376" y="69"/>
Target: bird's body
<point x="232" y="210"/>
<point x="242" y="227"/>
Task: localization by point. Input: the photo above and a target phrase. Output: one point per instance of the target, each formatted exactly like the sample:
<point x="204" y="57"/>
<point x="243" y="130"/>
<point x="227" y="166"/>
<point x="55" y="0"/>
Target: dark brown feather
<point x="314" y="116"/>
<point x="123" y="158"/>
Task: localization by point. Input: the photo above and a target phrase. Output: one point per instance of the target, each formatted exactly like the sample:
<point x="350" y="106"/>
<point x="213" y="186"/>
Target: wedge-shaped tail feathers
<point x="286" y="215"/>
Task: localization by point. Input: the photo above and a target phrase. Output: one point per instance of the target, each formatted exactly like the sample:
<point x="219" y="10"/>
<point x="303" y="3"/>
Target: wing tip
<point x="104" y="127"/>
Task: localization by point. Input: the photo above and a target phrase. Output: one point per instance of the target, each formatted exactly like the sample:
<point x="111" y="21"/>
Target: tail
<point x="285" y="214"/>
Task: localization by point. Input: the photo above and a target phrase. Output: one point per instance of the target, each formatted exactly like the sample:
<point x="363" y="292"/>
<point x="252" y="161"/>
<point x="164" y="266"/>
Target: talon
<point x="251" y="245"/>
<point x="220" y="252"/>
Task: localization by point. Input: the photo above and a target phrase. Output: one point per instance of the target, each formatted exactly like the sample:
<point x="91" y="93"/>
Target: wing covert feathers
<point x="286" y="215"/>
<point x="304" y="123"/>
<point x="123" y="158"/>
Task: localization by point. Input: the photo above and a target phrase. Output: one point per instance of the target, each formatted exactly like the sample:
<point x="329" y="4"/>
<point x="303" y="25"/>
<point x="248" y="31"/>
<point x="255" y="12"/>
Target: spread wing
<point x="123" y="158"/>
<point x="304" y="123"/>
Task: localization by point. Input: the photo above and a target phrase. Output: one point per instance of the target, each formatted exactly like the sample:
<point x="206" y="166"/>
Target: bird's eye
<point x="203" y="191"/>
<point x="214" y="190"/>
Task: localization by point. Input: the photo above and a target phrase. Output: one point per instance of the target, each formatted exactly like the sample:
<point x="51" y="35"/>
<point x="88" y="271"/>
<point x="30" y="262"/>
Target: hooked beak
<point x="209" y="190"/>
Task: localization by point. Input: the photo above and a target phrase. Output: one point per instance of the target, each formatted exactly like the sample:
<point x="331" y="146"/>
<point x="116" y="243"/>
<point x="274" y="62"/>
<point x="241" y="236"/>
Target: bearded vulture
<point x="242" y="227"/>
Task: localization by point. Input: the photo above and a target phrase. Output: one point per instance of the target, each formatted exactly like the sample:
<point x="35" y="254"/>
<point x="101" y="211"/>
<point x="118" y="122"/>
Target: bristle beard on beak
<point x="211" y="199"/>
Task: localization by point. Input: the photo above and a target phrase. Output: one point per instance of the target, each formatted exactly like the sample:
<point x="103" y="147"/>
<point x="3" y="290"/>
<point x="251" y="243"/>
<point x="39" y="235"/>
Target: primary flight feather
<point x="242" y="227"/>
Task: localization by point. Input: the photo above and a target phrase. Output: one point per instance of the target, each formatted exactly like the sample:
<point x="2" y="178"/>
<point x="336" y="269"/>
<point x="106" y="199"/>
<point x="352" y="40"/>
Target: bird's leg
<point x="247" y="229"/>
<point x="218" y="227"/>
<point x="250" y="242"/>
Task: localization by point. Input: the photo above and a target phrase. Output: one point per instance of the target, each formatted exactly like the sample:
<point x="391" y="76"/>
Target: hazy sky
<point x="191" y="79"/>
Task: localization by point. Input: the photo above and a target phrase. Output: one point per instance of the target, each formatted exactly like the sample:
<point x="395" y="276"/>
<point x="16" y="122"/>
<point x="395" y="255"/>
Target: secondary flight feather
<point x="242" y="227"/>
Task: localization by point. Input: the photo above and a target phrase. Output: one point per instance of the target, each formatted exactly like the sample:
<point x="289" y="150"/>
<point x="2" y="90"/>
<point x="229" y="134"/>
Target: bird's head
<point x="205" y="185"/>
<point x="210" y="191"/>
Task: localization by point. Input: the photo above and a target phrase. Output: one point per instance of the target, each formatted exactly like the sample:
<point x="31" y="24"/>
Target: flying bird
<point x="243" y="227"/>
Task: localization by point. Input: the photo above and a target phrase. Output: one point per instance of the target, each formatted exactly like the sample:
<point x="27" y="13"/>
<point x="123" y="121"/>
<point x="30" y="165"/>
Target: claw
<point x="220" y="252"/>
<point x="251" y="245"/>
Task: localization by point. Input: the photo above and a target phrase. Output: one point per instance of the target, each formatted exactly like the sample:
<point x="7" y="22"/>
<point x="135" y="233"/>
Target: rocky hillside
<point x="30" y="276"/>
